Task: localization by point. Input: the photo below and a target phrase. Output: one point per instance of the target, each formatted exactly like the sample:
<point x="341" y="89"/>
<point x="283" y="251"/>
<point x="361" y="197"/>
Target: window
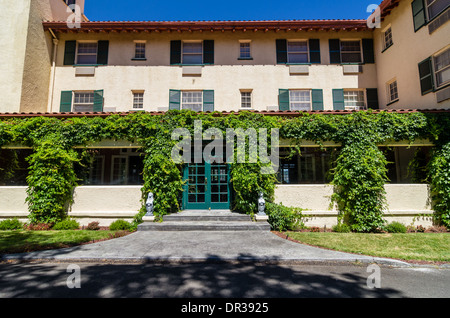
<point x="442" y="68"/>
<point x="83" y="102"/>
<point x="298" y="52"/>
<point x="139" y="52"/>
<point x="354" y="100"/>
<point x="192" y="52"/>
<point x="300" y="100"/>
<point x="192" y="100"/>
<point x="387" y="36"/>
<point x="246" y="99"/>
<point x="351" y="52"/>
<point x="244" y="50"/>
<point x="70" y="2"/>
<point x="392" y="91"/>
<point x="434" y="7"/>
<point x="138" y="100"/>
<point x="87" y="53"/>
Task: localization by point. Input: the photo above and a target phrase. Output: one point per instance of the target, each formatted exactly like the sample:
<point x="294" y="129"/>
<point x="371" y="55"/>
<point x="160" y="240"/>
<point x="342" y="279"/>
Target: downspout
<point x="53" y="71"/>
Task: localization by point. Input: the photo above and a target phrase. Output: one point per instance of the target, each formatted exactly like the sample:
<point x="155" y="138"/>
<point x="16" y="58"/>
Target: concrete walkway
<point x="196" y="246"/>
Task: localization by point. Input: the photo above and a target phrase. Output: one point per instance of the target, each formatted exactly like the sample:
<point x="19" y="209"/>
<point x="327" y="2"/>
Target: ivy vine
<point x="358" y="176"/>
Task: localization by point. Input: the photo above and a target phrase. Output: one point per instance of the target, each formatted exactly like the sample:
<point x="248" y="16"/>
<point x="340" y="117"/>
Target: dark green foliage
<point x="396" y="227"/>
<point x="120" y="225"/>
<point x="282" y="218"/>
<point x="358" y="175"/>
<point x="11" y="224"/>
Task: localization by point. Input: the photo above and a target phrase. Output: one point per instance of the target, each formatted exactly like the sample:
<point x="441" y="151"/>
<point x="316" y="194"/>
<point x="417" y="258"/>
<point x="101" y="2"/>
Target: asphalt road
<point x="220" y="280"/>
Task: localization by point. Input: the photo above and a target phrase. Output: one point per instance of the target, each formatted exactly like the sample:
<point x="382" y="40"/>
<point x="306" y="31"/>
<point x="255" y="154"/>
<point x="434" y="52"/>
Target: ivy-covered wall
<point x="359" y="171"/>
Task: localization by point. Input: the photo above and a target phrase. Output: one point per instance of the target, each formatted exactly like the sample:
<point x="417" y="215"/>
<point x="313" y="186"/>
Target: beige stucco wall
<point x="401" y="60"/>
<point x="13" y="36"/>
<point x="227" y="77"/>
<point x="407" y="203"/>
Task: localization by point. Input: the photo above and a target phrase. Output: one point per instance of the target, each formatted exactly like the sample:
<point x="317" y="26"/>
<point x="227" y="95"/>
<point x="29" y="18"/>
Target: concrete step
<point x="205" y="220"/>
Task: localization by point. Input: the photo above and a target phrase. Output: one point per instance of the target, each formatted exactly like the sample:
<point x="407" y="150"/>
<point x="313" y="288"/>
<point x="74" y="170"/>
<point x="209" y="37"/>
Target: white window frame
<point x="351" y="52"/>
<point x="387" y="42"/>
<point x="389" y="92"/>
<point x="291" y="101"/>
<point x="188" y="105"/>
<point x="183" y="54"/>
<point x="76" y="104"/>
<point x="298" y="52"/>
<point x="355" y="107"/>
<point x="248" y="45"/>
<point x="138" y="53"/>
<point x="246" y="100"/>
<point x="138" y="99"/>
<point x="86" y="54"/>
<point x="443" y="69"/>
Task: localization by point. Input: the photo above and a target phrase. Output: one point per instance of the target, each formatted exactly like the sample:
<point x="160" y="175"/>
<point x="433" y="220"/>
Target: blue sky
<point x="157" y="10"/>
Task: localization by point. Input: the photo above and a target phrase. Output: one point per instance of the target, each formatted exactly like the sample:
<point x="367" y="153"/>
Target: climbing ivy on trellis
<point x="359" y="172"/>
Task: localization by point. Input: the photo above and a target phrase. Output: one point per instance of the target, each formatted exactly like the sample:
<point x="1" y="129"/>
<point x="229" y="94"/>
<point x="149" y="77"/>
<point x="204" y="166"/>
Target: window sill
<point x="393" y="102"/>
<point x="139" y="59"/>
<point x="386" y="48"/>
<point x="245" y="58"/>
<point x="441" y="87"/>
<point x="288" y="64"/>
<point x="88" y="65"/>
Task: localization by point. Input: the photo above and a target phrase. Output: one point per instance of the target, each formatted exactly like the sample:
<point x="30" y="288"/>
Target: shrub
<point x="282" y="218"/>
<point x="11" y="224"/>
<point x="396" y="227"/>
<point x="314" y="229"/>
<point x="437" y="229"/>
<point x="68" y="224"/>
<point x="120" y="225"/>
<point x="420" y="229"/>
<point x="93" y="226"/>
<point x="341" y="228"/>
<point x="38" y="226"/>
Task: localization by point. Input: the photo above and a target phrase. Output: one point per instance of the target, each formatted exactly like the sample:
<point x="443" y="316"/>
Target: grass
<point x="27" y="241"/>
<point x="431" y="247"/>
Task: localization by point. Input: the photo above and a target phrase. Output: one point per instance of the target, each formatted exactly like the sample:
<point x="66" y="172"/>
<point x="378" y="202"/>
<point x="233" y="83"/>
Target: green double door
<point x="206" y="186"/>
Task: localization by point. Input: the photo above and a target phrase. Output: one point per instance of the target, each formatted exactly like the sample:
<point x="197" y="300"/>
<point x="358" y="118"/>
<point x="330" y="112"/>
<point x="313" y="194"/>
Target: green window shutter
<point x="66" y="102"/>
<point x="368" y="51"/>
<point x="281" y="51"/>
<point x="102" y="52"/>
<point x="174" y="99"/>
<point x="175" y="52"/>
<point x="314" y="51"/>
<point x="98" y="101"/>
<point x="338" y="99"/>
<point x="419" y="15"/>
<point x="372" y="98"/>
<point x="208" y="100"/>
<point x="317" y="99"/>
<point x="69" y="52"/>
<point x="335" y="51"/>
<point x="283" y="99"/>
<point x="426" y="76"/>
<point x="208" y="52"/>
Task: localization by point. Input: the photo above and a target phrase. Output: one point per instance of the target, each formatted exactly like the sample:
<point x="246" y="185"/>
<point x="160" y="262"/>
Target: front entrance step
<point x="208" y="220"/>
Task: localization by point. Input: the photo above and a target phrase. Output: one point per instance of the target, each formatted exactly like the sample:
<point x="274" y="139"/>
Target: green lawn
<point x="27" y="241"/>
<point x="433" y="247"/>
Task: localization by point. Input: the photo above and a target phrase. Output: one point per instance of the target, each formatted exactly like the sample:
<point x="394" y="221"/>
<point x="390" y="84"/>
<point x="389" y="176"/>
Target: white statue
<point x="149" y="204"/>
<point x="261" y="205"/>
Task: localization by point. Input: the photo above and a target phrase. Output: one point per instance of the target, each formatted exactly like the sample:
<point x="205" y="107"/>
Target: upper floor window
<point x="83" y="101"/>
<point x="139" y="50"/>
<point x="442" y="68"/>
<point x="192" y="53"/>
<point x="138" y="100"/>
<point x="434" y="7"/>
<point x="351" y="51"/>
<point x="392" y="91"/>
<point x="298" y="52"/>
<point x="246" y="99"/>
<point x="87" y="53"/>
<point x="354" y="100"/>
<point x="192" y="100"/>
<point x="245" y="50"/>
<point x="300" y="100"/>
<point x="70" y="2"/>
<point x="387" y="38"/>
